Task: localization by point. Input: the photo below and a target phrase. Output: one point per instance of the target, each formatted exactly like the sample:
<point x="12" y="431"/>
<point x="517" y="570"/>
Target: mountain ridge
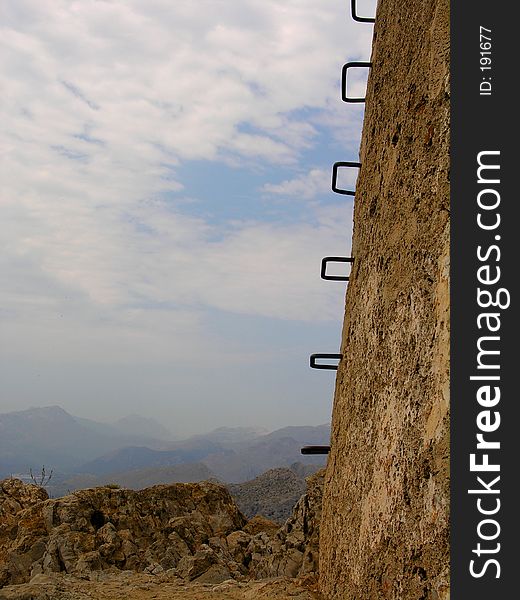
<point x="70" y="445"/>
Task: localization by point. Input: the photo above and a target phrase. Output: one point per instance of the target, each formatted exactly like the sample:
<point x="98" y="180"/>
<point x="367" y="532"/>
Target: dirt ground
<point x="137" y="586"/>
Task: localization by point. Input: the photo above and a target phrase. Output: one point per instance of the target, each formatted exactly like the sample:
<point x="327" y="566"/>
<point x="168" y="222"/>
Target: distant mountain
<point x="280" y="448"/>
<point x="234" y="461"/>
<point x="231" y="435"/>
<point x="307" y="435"/>
<point x="138" y="457"/>
<point x="52" y="437"/>
<point x="47" y="436"/>
<point x="142" y="426"/>
<point x="131" y="429"/>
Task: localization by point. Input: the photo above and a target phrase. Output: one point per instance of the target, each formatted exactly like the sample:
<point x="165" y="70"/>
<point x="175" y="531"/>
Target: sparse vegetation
<point x="42" y="479"/>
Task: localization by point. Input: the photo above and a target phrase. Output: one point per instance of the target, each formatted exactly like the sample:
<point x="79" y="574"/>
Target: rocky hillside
<point x="385" y="528"/>
<point x="272" y="494"/>
<point x="176" y="534"/>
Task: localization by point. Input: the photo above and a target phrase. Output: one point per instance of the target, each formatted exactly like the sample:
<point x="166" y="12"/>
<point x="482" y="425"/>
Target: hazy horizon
<point x="174" y="435"/>
<point x="166" y="204"/>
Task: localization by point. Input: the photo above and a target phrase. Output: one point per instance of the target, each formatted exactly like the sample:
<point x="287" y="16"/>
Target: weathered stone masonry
<point x="385" y="527"/>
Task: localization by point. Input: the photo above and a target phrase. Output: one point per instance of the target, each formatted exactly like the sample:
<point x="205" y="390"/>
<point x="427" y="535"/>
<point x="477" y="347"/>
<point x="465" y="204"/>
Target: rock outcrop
<point x="294" y="550"/>
<point x="163" y="527"/>
<point x="194" y="532"/>
<point x="385" y="527"/>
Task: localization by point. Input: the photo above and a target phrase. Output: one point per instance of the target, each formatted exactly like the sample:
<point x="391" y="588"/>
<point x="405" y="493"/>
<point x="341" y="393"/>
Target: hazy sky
<point x="165" y="204"/>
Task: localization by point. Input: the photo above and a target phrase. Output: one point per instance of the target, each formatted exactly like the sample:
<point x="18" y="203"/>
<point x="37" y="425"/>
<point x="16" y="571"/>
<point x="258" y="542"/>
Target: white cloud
<point x="314" y="183"/>
<point x="156" y="256"/>
<point x="307" y="186"/>
<point x="106" y="98"/>
<point x="102" y="103"/>
<point x="182" y="76"/>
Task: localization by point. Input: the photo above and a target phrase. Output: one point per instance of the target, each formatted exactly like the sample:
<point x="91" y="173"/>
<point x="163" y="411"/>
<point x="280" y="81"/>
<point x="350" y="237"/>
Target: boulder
<point x="193" y="531"/>
<point x="149" y="530"/>
<point x="293" y="550"/>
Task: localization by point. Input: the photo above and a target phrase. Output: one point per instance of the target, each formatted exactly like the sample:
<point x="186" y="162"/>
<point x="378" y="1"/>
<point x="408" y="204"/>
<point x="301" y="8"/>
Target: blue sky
<point x="166" y="203"/>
